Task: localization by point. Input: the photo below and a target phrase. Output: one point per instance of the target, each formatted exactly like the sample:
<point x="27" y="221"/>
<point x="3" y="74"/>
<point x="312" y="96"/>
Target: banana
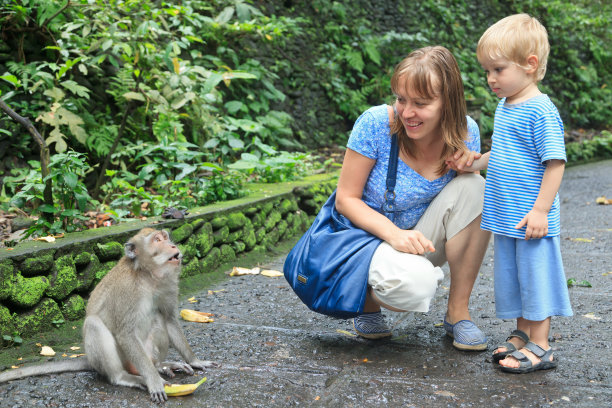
<point x="195" y="316"/>
<point x="178" y="390"/>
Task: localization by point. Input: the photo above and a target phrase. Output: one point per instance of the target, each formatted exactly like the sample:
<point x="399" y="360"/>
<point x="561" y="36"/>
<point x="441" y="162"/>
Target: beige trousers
<point x="408" y="282"/>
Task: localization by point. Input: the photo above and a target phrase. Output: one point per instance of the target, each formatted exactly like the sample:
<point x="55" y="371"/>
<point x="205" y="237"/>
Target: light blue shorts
<point x="529" y="279"/>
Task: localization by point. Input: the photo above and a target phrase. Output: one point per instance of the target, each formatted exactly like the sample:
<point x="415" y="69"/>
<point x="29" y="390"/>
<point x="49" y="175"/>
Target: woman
<point x="439" y="211"/>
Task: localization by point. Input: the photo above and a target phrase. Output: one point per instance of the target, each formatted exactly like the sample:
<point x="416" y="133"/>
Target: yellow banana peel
<point x="178" y="390"/>
<point x="195" y="316"/>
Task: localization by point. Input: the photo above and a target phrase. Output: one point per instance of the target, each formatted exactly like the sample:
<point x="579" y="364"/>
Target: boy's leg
<point x="538" y="334"/>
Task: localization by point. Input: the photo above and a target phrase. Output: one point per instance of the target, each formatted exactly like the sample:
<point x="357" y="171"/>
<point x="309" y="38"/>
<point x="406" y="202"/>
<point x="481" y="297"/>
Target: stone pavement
<point x="274" y="352"/>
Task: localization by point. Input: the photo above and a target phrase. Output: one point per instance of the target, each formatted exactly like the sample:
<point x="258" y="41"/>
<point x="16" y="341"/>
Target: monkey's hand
<point x="156" y="390"/>
<point x="202" y="364"/>
<point x="169" y="367"/>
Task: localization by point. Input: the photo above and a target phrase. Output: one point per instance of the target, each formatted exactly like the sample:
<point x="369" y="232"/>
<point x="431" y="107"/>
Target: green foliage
<point x="67" y="171"/>
<point x="190" y="100"/>
<point x="598" y="147"/>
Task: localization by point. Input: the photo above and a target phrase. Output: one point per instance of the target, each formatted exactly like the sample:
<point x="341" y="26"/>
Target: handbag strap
<point x="389" y="205"/>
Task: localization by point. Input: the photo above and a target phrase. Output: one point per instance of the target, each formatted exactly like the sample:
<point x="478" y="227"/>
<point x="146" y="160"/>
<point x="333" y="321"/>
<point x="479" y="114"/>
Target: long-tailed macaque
<point x="131" y="320"/>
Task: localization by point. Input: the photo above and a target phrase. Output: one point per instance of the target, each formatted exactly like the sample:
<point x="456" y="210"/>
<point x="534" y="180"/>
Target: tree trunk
<point x="44" y="155"/>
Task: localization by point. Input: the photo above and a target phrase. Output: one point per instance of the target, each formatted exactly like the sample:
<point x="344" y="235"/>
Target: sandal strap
<point x="519" y="334"/>
<point x="537" y="350"/>
<point x="520" y="356"/>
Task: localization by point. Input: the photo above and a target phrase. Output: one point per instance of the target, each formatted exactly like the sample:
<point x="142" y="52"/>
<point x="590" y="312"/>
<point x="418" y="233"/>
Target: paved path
<point x="276" y="353"/>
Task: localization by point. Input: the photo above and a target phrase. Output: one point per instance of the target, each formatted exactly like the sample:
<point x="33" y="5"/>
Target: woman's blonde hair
<point x="515" y="38"/>
<point x="432" y="72"/>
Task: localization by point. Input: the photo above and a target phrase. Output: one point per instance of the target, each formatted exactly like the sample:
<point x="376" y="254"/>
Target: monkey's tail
<point x="79" y="364"/>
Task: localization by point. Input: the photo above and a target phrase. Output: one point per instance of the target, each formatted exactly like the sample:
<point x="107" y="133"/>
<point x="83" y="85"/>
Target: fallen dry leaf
<point x="195" y="316"/>
<point x="346" y="332"/>
<point x="13" y="367"/>
<point x="192" y="300"/>
<point x="603" y="200"/>
<point x="46" y="239"/>
<point x="47" y="351"/>
<point x="445" y="393"/>
<point x="591" y="316"/>
<point x="271" y="273"/>
<point x="239" y="271"/>
<point x="581" y="239"/>
<point x="74" y="348"/>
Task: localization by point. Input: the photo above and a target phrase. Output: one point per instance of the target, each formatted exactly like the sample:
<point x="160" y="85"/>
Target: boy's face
<point x="508" y="80"/>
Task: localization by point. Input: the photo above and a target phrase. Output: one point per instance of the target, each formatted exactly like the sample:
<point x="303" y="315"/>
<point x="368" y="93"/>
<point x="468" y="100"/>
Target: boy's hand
<point x="462" y="160"/>
<point x="537" y="224"/>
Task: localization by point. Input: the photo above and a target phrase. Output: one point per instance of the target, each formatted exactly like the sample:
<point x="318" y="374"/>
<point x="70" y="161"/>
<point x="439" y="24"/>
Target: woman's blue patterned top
<point x="371" y="137"/>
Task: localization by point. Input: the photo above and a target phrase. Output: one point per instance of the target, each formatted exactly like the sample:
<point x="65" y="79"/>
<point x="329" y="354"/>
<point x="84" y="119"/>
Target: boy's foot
<point x="371" y="326"/>
<point x="516" y="340"/>
<point x="467" y="336"/>
<point x="530" y="358"/>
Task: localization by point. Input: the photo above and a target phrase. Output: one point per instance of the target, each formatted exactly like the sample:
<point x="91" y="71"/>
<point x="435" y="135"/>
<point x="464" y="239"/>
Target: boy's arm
<point x="465" y="163"/>
<point x="537" y="219"/>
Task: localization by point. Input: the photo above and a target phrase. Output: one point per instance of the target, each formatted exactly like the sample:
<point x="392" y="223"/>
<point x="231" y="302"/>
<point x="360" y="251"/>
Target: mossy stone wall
<point x="46" y="284"/>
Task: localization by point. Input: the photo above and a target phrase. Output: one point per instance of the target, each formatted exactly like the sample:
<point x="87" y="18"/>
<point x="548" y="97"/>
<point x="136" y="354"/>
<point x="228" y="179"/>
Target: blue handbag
<point x="328" y="267"/>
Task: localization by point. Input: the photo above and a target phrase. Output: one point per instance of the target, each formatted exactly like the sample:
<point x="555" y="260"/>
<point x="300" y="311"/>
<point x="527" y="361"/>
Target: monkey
<point x="131" y="321"/>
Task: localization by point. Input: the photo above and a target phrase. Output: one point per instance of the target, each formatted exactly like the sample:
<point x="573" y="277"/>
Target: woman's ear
<point x="532" y="64"/>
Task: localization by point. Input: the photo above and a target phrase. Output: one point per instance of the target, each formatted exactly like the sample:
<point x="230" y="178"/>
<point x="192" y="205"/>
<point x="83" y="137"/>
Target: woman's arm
<point x="355" y="171"/>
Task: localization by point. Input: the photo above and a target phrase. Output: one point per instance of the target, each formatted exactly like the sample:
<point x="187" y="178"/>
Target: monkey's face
<point x="163" y="250"/>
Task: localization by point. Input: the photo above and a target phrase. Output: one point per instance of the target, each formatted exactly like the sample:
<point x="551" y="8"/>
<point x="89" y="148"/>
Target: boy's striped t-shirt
<point x="525" y="136"/>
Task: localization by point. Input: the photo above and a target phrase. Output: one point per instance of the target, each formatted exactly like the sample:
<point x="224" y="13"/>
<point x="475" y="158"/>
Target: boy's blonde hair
<point x="515" y="38"/>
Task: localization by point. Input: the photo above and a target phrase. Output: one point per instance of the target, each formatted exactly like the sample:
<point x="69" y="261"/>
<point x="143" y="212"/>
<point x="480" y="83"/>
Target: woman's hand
<point x="411" y="241"/>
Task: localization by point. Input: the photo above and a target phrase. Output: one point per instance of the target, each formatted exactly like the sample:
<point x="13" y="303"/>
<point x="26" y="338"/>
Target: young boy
<point x="521" y="207"/>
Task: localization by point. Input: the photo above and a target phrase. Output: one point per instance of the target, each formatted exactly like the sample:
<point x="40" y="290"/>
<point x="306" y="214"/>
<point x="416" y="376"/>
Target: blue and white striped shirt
<point x="525" y="135"/>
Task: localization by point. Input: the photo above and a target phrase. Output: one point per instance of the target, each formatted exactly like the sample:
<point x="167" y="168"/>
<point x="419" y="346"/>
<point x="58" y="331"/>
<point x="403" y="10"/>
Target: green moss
<point x="86" y="275"/>
<point x="37" y="265"/>
<point x="238" y="246"/>
<point x="236" y="221"/>
<point x="196" y="224"/>
<point x="111" y="251"/>
<point x="192" y="268"/>
<point x="285" y="206"/>
<point x="7" y="275"/>
<point x="41" y="318"/>
<point x="258" y="219"/>
<point x="273" y="218"/>
<point x="100" y="273"/>
<point x="282" y="227"/>
<point x="188" y="250"/>
<point x="251" y="211"/>
<point x="64" y="280"/>
<point x="73" y="308"/>
<point x="180" y="234"/>
<point x="82" y="259"/>
<point x="220" y="236"/>
<point x="271" y="238"/>
<point x="227" y="253"/>
<point x="6" y="321"/>
<point x="267" y="207"/>
<point x="26" y="292"/>
<point x="204" y="240"/>
<point x="218" y="222"/>
<point x="260" y="234"/>
<point x="250" y="240"/>
<point x="211" y="260"/>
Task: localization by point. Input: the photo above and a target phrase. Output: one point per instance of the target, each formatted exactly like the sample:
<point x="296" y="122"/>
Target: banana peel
<point x="178" y="390"/>
<point x="195" y="316"/>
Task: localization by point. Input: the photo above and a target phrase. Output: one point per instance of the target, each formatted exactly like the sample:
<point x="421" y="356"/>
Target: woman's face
<point x="420" y="115"/>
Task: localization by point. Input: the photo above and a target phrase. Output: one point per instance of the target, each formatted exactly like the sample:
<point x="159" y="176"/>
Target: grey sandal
<point x="519" y="334"/>
<point x="526" y="366"/>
